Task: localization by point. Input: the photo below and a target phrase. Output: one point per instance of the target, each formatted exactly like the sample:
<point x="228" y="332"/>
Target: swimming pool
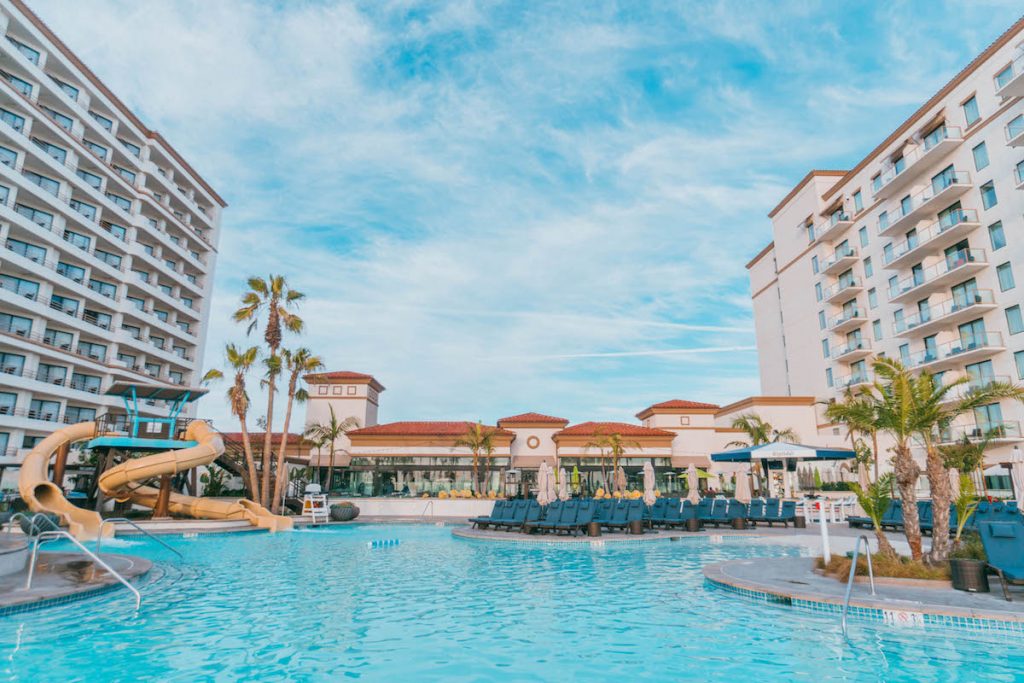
<point x="322" y="605"/>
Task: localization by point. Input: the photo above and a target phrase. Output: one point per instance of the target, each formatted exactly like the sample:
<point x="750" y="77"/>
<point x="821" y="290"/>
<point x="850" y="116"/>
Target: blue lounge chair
<point x="565" y="515"/>
<point x="755" y="511"/>
<point x="620" y="515"/>
<point x="514" y="516"/>
<point x="1004" y="546"/>
<point x="925" y="516"/>
<point x="603" y="511"/>
<point x="552" y="512"/>
<point x="671" y="514"/>
<point x="785" y="514"/>
<point x="582" y="516"/>
<point x="735" y="510"/>
<point x="500" y="509"/>
<point x="893" y="515"/>
<point x="655" y="512"/>
<point x="704" y="509"/>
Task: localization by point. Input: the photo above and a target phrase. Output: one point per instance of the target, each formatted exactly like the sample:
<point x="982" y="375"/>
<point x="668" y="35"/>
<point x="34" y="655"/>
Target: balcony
<point x="847" y="288"/>
<point x="847" y="321"/>
<point x="1018" y="175"/>
<point x="939" y="193"/>
<point x="949" y="312"/>
<point x="840" y="260"/>
<point x="833" y="226"/>
<point x="964" y="390"/>
<point x="956" y="266"/>
<point x="943" y="233"/>
<point x="853" y="382"/>
<point x="853" y="351"/>
<point x="1010" y="81"/>
<point x="968" y="349"/>
<point x="1015" y="132"/>
<point x="995" y="432"/>
<point x="899" y="174"/>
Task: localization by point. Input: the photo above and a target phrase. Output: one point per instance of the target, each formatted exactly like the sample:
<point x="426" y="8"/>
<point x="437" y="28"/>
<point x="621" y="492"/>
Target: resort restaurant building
<point x="413" y="458"/>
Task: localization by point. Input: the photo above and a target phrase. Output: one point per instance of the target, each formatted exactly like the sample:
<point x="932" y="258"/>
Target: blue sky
<point x="501" y="207"/>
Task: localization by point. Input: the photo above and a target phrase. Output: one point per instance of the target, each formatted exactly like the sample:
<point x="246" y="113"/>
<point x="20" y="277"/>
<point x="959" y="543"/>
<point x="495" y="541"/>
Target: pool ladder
<point x="125" y="520"/>
<point x="51" y="535"/>
<point x="853" y="573"/>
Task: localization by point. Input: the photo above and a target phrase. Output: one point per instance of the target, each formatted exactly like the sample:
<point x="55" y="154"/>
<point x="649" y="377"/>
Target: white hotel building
<point x="915" y="253"/>
<point x="109" y="241"/>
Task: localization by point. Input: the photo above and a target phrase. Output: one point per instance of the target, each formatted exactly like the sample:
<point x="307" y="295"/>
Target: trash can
<point x="594" y="529"/>
<point x="636" y="527"/>
<point x="739" y="523"/>
<point x="799" y="522"/>
<point x="693" y="524"/>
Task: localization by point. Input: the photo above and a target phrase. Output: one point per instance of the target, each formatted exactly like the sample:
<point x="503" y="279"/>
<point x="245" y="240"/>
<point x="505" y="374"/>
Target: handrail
<point x="95" y="558"/>
<point x="31" y="521"/>
<point x="428" y="506"/>
<point x="115" y="520"/>
<point x="853" y="571"/>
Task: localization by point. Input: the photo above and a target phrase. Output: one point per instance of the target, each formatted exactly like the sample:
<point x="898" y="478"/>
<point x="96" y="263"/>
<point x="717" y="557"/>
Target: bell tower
<point x="351" y="395"/>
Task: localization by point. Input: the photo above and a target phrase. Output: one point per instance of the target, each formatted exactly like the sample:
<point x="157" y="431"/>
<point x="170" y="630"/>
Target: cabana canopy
<point x="782" y="451"/>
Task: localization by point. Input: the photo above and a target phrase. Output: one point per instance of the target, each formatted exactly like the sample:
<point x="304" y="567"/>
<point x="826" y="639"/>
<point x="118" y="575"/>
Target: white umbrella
<point x="649" y="496"/>
<point x="691" y="482"/>
<point x="620" y="480"/>
<point x="563" y="485"/>
<point x="552" y="492"/>
<point x="742" y="492"/>
<point x="1017" y="475"/>
<point x="542" y="484"/>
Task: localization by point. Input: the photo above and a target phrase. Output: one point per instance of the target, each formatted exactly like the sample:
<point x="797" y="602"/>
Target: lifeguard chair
<point x="314" y="504"/>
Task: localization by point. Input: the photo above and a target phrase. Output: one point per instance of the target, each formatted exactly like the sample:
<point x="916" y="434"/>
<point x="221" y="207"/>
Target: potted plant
<point x="344" y="512"/>
<point x="967" y="566"/>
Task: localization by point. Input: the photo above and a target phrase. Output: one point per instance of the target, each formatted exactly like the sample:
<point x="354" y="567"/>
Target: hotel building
<point x="109" y="242"/>
<point x="422" y="457"/>
<point x="914" y="253"/>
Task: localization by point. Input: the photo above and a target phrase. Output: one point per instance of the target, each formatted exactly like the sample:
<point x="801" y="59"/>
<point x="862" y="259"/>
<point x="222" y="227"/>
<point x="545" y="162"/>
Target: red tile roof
<point x="423" y="429"/>
<point x="356" y="377"/>
<point x="677" y="403"/>
<point x="607" y="428"/>
<point x="257" y="437"/>
<point x="533" y="417"/>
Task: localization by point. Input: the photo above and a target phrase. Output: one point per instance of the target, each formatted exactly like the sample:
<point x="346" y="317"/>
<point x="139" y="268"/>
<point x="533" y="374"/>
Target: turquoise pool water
<point x="322" y="605"/>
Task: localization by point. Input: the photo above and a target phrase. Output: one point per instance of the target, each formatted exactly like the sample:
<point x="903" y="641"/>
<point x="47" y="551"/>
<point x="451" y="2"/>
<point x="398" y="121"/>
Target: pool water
<point x="322" y="605"/>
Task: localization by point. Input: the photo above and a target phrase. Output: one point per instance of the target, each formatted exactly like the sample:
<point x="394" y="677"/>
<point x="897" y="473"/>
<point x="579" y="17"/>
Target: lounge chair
<point x="735" y="510"/>
<point x="785" y="514"/>
<point x="619" y="515"/>
<point x="1004" y="546"/>
<point x="552" y="512"/>
<point x="603" y="511"/>
<point x="717" y="515"/>
<point x="498" y="513"/>
<point x="655" y="512"/>
<point x="626" y="511"/>
<point x="704" y="509"/>
<point x="925" y="516"/>
<point x="755" y="511"/>
<point x="583" y="513"/>
<point x="514" y="516"/>
<point x="565" y="515"/>
<point x="687" y="512"/>
<point x="671" y="513"/>
<point x="893" y="515"/>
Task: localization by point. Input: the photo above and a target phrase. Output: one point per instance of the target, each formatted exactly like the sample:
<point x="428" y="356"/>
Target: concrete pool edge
<point x="884" y="608"/>
<point x="52" y="586"/>
<point x="489" y="536"/>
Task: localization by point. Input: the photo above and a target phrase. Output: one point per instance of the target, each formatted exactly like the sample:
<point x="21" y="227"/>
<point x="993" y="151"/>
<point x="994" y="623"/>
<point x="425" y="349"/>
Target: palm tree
<point x="859" y="416"/>
<point x="479" y="440"/>
<point x="935" y="412"/>
<point x="874" y="500"/>
<point x="759" y="433"/>
<point x="276" y="298"/>
<point x="240" y="361"/>
<point x="614" y="445"/>
<point x="328" y="433"/>
<point x="298" y="363"/>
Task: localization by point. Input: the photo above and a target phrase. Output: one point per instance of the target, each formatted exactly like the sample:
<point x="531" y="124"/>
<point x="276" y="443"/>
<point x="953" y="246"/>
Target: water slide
<point x="120" y="482"/>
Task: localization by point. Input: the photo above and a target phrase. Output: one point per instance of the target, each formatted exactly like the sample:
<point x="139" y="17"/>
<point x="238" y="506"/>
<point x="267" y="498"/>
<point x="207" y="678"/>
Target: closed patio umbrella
<point x="563" y="485"/>
<point x="742" y="493"/>
<point x="542" y="484"/>
<point x="552" y="490"/>
<point x="692" y="484"/>
<point x="1017" y="476"/>
<point x="575" y="479"/>
<point x="620" y="480"/>
<point x="649" y="496"/>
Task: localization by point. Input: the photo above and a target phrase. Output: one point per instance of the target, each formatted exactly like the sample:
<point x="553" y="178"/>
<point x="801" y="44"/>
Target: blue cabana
<point x="783" y="451"/>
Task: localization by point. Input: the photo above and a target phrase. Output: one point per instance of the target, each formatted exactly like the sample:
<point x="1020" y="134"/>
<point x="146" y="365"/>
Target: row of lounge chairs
<point x="575" y="515"/>
<point x="892" y="518"/>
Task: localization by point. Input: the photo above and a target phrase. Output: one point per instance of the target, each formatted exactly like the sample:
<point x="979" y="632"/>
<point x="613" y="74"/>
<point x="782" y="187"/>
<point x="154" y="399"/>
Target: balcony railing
<point x="927" y="238"/>
<point x="837" y="221"/>
<point x="896" y="174"/>
<point x="974" y="384"/>
<point x="838" y="288"/>
<point x="923" y="203"/>
<point x="994" y="431"/>
<point x="966" y="345"/>
<point x="853" y="380"/>
<point x="859" y="348"/>
<point x="1010" y="81"/>
<point x="1015" y="131"/>
<point x="838" y="257"/>
<point x="936" y="312"/>
<point x="933" y="274"/>
<point x="855" y="314"/>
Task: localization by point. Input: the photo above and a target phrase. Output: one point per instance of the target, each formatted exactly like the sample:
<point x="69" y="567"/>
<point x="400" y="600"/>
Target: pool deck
<point x="64" y="577"/>
<point x="793" y="579"/>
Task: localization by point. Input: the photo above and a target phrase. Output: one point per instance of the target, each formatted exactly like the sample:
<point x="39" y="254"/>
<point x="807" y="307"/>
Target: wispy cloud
<point x="497" y="207"/>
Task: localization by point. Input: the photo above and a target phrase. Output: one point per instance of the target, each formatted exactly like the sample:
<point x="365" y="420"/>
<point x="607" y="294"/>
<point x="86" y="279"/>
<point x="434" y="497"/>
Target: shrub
<point x="899" y="568"/>
<point x="970" y="548"/>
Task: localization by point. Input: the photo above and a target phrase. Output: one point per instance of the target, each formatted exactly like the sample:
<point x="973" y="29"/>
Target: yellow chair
<point x="442" y="494"/>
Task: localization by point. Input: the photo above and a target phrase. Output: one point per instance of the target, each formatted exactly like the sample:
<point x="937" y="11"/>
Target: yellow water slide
<point x="120" y="482"/>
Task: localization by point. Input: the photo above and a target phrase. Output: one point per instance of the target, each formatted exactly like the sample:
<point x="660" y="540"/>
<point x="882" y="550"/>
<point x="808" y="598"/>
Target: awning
<point x="783" y="451"/>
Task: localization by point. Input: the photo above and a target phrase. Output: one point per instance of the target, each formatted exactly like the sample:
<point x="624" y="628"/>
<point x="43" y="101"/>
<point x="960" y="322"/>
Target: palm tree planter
<point x="969" y="575"/>
<point x="344" y="512"/>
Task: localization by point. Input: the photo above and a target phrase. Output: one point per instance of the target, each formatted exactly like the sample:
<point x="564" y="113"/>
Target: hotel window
<point x="65" y="122"/>
<point x="102" y="288"/>
<point x="102" y="120"/>
<point x="81" y="241"/>
<point x="94" y="351"/>
<point x="15" y="324"/>
<point x="12" y="364"/>
<point x="876" y="329"/>
<point x="179" y="351"/>
<point x="112" y="260"/>
<point x="814" y="264"/>
<point x="24" y="87"/>
<point x="13" y="120"/>
<point x="133" y="331"/>
<point x="1014" y="320"/>
<point x="162" y="315"/>
<point x="894" y="286"/>
<point x="869" y="269"/>
<point x="810" y="233"/>
<point x="1004" y="77"/>
<point x="883" y="220"/>
<point x="75" y="414"/>
<point x="858" y="202"/>
<point x="87" y="210"/>
<point x="824" y="347"/>
<point x="38" y="217"/>
<point x="148" y="248"/>
<point x="138" y="303"/>
<point x="39" y="409"/>
<point x="117" y="231"/>
<point x="158" y="342"/>
<point x="8" y="157"/>
<point x="996" y="236"/>
<point x="69" y="90"/>
<point x="176" y="376"/>
<point x="971" y="113"/>
<point x="1005" y="274"/>
<point x="821" y="320"/>
<point x="30" y="54"/>
<point x="988" y="195"/>
<point x="125" y="173"/>
<point x="185" y="327"/>
<point x="897" y="320"/>
<point x="322" y="390"/>
<point x="141" y="274"/>
<point x="980" y="153"/>
<point x="187" y="301"/>
<point x="171" y="264"/>
<point x="91" y="179"/>
<point x="153" y="369"/>
<point x="166" y="289"/>
<point x="48" y="184"/>
<point x="872" y="298"/>
<point x="134" y="149"/>
<point x="25" y="288"/>
<point x="32" y="252"/>
<point x="127" y="359"/>
<point x="1018" y="358"/>
<point x="58" y="338"/>
<point x="64" y="304"/>
<point x="828" y="376"/>
<point x="5" y="441"/>
<point x="7" y="403"/>
<point x="71" y="272"/>
<point x="817" y="291"/>
<point x="905" y="353"/>
<point x="98" y="150"/>
<point x="120" y="201"/>
<point x="863" y="233"/>
<point x="58" y="154"/>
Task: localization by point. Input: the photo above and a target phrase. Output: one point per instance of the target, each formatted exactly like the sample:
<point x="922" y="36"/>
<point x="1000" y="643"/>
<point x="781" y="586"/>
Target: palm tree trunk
<point x="874" y="446"/>
<point x="330" y="471"/>
<point x="281" y="478"/>
<point x="907" y="473"/>
<point x="267" y="436"/>
<point x="250" y="462"/>
<point x="942" y="496"/>
<point x="476" y="471"/>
